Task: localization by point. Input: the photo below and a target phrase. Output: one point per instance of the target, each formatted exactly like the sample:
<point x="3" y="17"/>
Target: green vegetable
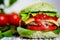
<point x="11" y="2"/>
<point x="1" y="35"/>
<point x="51" y="14"/>
<point x="57" y="31"/>
<point x="4" y="28"/>
<point x="58" y="15"/>
<point x="33" y="14"/>
<point x="40" y="7"/>
<point x="8" y="33"/>
<point x="1" y="11"/>
<point x="1" y="1"/>
<point x="25" y="32"/>
<point x="24" y="16"/>
<point x="36" y="34"/>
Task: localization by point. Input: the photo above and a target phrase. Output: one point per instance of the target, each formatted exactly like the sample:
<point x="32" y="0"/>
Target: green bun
<point x="37" y="7"/>
<point x="36" y="34"/>
<point x="40" y="7"/>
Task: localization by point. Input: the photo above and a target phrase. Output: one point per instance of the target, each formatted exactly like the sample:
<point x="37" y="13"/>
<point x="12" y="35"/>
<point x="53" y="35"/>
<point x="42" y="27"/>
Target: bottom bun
<point x="35" y="34"/>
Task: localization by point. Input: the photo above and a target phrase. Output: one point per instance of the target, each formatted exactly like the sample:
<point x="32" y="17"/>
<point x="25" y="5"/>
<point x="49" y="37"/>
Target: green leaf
<point x="51" y="14"/>
<point x="24" y="31"/>
<point x="8" y="33"/>
<point x="1" y="1"/>
<point x="11" y="2"/>
<point x="1" y="35"/>
<point x="1" y="11"/>
<point x="58" y="15"/>
<point x="57" y="31"/>
<point x="24" y="16"/>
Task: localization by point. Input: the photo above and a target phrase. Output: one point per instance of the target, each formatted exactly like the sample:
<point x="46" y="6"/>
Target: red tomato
<point x="3" y="19"/>
<point x="38" y="28"/>
<point x="14" y="19"/>
<point x="55" y="18"/>
<point x="51" y="28"/>
<point x="41" y="16"/>
<point x="44" y="17"/>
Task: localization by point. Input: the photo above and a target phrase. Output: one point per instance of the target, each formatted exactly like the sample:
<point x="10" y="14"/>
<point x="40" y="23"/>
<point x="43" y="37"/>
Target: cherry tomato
<point x="3" y="19"/>
<point x="14" y="19"/>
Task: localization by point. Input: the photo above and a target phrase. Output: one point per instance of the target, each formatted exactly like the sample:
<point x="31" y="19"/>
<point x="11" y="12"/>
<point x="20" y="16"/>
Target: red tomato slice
<point x="44" y="17"/>
<point x="51" y="28"/>
<point x="38" y="28"/>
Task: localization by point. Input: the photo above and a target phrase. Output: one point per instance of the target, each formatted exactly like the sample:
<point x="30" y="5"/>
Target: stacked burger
<point x="39" y="20"/>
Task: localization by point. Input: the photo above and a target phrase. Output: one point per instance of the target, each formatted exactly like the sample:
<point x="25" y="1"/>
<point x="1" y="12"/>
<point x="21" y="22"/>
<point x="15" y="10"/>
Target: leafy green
<point x="24" y="16"/>
<point x="57" y="31"/>
<point x="24" y="31"/>
<point x="38" y="8"/>
<point x="7" y="33"/>
<point x="58" y="15"/>
<point x="1" y="35"/>
<point x="1" y="1"/>
<point x="4" y="28"/>
<point x="1" y="11"/>
<point x="11" y="2"/>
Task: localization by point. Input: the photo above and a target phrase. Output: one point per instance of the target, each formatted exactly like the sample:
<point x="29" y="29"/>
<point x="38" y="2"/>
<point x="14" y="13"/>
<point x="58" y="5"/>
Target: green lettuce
<point x="25" y="32"/>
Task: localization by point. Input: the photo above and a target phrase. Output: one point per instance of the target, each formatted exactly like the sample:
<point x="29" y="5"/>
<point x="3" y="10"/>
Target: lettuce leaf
<point x="1" y="1"/>
<point x="57" y="31"/>
<point x="24" y="16"/>
<point x="1" y="36"/>
<point x="8" y="33"/>
<point x="25" y="32"/>
<point x="11" y="2"/>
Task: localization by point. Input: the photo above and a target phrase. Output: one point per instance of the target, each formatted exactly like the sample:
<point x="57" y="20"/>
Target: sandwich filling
<point x="42" y="22"/>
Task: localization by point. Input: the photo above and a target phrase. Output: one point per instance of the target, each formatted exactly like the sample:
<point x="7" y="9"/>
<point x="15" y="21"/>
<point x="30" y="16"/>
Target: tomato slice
<point x="44" y="17"/>
<point x="39" y="28"/>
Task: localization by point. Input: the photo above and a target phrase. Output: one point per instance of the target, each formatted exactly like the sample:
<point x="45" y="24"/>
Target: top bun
<point x="41" y="6"/>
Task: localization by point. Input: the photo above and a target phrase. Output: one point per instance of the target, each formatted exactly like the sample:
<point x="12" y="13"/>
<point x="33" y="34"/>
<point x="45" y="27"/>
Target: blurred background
<point x="17" y="5"/>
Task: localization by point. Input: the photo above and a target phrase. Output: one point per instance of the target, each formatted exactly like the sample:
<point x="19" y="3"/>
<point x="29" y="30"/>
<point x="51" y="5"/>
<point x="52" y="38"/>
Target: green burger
<point x="39" y="20"/>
